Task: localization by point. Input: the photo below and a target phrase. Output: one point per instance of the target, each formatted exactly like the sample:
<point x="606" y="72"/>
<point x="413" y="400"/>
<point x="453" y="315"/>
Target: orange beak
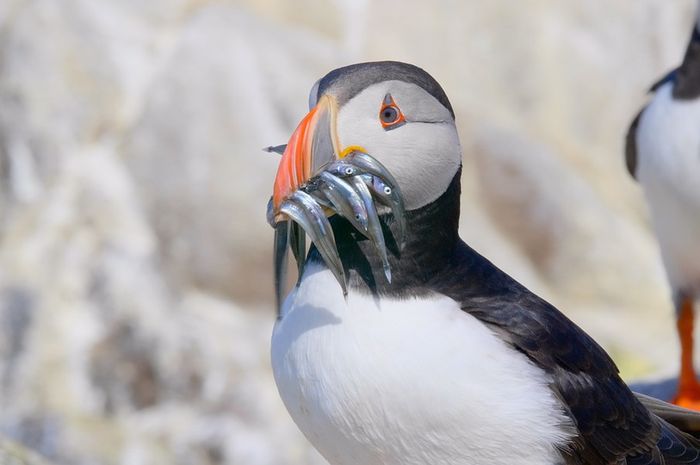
<point x="313" y="145"/>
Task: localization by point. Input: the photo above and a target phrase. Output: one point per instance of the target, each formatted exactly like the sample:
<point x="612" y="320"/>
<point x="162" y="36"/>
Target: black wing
<point x="686" y="84"/>
<point x="685" y="420"/>
<point x="670" y="77"/>
<point x="614" y="427"/>
<point x="612" y="424"/>
<point x="685" y="78"/>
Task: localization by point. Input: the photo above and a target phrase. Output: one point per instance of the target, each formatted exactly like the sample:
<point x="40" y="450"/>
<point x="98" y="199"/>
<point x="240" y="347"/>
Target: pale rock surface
<point x="12" y="453"/>
<point x="135" y="281"/>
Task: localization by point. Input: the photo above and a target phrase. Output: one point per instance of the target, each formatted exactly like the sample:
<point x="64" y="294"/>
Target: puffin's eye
<point x="389" y="114"/>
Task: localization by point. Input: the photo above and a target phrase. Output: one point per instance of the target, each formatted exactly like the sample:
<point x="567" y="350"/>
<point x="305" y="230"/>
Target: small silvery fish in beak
<point x="316" y="179"/>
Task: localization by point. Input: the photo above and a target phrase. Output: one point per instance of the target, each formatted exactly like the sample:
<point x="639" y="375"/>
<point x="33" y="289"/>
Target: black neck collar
<point x="434" y="258"/>
<point x="430" y="241"/>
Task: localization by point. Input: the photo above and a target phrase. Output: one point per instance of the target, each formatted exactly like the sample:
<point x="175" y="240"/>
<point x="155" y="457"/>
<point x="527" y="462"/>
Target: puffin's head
<point x="393" y="111"/>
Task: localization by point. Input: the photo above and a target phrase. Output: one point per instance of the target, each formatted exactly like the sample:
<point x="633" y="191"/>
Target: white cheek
<point x="423" y="157"/>
<point x="426" y="168"/>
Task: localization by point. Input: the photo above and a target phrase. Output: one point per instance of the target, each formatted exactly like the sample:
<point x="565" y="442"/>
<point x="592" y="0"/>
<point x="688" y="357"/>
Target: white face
<point x="423" y="154"/>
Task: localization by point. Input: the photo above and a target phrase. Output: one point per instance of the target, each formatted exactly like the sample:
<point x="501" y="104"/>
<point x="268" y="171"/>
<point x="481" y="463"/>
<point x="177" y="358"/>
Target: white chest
<point x="668" y="150"/>
<point x="410" y="382"/>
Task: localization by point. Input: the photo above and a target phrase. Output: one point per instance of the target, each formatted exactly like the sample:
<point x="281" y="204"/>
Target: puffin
<point x="662" y="152"/>
<point x="412" y="348"/>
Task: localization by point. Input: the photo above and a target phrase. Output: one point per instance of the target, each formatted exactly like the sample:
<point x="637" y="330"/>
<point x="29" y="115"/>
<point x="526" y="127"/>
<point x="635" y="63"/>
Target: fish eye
<point x="348" y="171"/>
<point x="389" y="114"/>
<point x="387" y="190"/>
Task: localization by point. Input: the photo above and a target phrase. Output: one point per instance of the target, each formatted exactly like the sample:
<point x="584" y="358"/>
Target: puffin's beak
<point x="313" y="145"/>
<point x="316" y="180"/>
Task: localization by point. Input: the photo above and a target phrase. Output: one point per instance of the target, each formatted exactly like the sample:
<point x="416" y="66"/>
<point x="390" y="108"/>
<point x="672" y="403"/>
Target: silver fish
<point x="372" y="171"/>
<point x="303" y="209"/>
<point x="345" y="200"/>
<point x="375" y="227"/>
<point x="280" y="261"/>
<point x="342" y="169"/>
<point x="297" y="241"/>
<point x="349" y="187"/>
<point x="369" y="165"/>
<point x="391" y="198"/>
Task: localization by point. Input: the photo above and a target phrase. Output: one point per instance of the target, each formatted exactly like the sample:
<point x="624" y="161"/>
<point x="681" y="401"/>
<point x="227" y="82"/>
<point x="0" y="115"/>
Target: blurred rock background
<point x="135" y="280"/>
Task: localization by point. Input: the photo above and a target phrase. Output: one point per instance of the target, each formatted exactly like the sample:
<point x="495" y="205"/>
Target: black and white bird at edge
<point x="400" y="344"/>
<point x="663" y="155"/>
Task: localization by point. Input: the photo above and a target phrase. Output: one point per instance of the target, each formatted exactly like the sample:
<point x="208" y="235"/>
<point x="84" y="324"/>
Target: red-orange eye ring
<point x="390" y="114"/>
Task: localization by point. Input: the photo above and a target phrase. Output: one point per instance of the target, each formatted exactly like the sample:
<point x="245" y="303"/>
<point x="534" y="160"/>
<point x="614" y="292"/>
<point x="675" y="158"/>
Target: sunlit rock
<point x="135" y="281"/>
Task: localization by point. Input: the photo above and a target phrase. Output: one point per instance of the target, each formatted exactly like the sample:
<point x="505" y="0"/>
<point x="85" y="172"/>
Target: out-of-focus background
<point x="135" y="261"/>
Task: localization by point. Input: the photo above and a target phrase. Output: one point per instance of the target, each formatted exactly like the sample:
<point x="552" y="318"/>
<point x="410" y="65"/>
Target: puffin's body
<point x="409" y="382"/>
<point x="663" y="154"/>
<point x="447" y="360"/>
